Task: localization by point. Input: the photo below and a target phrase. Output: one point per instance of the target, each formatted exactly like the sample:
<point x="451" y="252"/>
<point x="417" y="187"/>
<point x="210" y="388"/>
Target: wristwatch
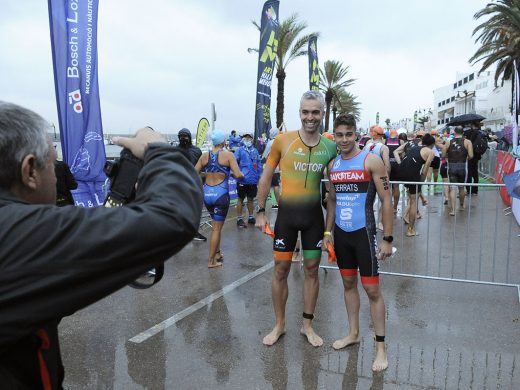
<point x="388" y="239"/>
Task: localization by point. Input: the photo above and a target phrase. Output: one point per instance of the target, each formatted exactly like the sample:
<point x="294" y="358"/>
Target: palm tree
<point x="331" y="81"/>
<point x="290" y="46"/>
<point x="423" y="120"/>
<point x="499" y="37"/>
<point x="345" y="103"/>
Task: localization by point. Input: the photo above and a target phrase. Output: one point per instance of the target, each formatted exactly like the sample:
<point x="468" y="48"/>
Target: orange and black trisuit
<point x="301" y="171"/>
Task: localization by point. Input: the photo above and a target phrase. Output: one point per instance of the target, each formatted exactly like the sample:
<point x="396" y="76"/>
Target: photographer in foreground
<point x="55" y="261"/>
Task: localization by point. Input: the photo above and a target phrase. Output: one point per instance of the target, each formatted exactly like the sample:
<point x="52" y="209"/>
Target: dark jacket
<point x="192" y="151"/>
<point x="57" y="260"/>
<point x="64" y="183"/>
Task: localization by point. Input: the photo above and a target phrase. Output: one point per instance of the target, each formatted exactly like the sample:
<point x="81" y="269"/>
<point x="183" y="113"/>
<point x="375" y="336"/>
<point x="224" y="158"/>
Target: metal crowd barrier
<point x="477" y="245"/>
<point x="424" y="366"/>
<point x="487" y="164"/>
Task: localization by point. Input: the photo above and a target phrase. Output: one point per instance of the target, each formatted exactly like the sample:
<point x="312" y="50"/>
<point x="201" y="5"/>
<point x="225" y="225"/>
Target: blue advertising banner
<point x="314" y="70"/>
<point x="233" y="194"/>
<point x="73" y="28"/>
<point x="266" y="60"/>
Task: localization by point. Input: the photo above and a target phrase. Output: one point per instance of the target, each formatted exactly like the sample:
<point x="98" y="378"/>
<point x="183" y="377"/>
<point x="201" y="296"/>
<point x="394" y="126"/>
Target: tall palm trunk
<point x="328" y="102"/>
<point x="280" y="75"/>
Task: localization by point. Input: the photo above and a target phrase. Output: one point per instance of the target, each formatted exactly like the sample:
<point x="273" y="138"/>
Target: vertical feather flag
<point x="202" y="131"/>
<point x="73" y="29"/>
<point x="269" y="31"/>
<point x="514" y="111"/>
<point x="314" y="70"/>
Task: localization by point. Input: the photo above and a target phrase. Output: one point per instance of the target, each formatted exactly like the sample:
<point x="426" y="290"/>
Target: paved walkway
<point x="203" y="329"/>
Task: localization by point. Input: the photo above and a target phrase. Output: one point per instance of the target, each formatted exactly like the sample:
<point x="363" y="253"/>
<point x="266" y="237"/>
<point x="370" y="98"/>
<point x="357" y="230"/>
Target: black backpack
<point x="480" y="144"/>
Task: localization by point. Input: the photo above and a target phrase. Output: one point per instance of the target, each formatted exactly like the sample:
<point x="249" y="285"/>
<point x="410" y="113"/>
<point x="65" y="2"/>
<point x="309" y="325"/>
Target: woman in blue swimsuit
<point x="216" y="166"/>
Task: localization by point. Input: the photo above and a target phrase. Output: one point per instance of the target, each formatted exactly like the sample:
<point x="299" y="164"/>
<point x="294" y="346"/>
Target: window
<point x="438" y="121"/>
<point x="439" y="104"/>
<point x="452" y="98"/>
<point x="465" y="80"/>
<point x="471" y="76"/>
<point x="454" y="85"/>
<point x="459" y="83"/>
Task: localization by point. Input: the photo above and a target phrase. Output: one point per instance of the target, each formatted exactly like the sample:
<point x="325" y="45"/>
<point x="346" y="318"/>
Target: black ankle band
<point x="308" y="316"/>
<point x="379" y="339"/>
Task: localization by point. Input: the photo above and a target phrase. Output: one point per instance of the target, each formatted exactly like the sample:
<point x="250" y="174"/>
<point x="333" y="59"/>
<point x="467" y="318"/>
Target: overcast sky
<point x="163" y="62"/>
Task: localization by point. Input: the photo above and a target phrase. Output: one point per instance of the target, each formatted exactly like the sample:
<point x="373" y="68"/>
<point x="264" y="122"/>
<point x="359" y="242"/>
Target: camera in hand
<point x="123" y="174"/>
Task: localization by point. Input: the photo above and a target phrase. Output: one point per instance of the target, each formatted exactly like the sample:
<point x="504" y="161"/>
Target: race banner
<point x="505" y="165"/>
<point x="514" y="111"/>
<point x="266" y="61"/>
<point x="314" y="70"/>
<point x="202" y="131"/>
<point x="73" y="29"/>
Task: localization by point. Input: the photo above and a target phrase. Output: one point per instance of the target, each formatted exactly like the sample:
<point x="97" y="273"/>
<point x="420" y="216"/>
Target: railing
<point x="478" y="244"/>
<point x="487" y="164"/>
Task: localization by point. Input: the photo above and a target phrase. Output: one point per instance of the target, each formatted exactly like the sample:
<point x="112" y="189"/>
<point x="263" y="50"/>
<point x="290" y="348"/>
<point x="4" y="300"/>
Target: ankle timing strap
<point x="308" y="316"/>
<point x="379" y="339"/>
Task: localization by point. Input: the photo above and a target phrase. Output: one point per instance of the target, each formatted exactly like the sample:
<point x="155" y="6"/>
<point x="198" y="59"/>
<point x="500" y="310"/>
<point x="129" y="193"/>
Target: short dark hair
<point x="427" y="139"/>
<point x="459" y="130"/>
<point x="346" y="120"/>
<point x="22" y="132"/>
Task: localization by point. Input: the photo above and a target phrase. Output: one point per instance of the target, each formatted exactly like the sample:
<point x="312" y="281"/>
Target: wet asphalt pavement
<point x="440" y="334"/>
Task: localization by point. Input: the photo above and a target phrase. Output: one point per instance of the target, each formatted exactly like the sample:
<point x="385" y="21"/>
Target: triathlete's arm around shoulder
<point x="331" y="209"/>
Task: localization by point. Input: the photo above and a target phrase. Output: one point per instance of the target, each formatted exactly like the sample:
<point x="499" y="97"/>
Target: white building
<point x="473" y="93"/>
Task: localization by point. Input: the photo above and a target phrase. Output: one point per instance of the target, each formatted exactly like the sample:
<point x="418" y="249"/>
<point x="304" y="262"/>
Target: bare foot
<point x="462" y="207"/>
<point x="405" y="219"/>
<point x="346" y="341"/>
<point x="214" y="265"/>
<point x="273" y="337"/>
<point x="380" y="362"/>
<point x="452" y="213"/>
<point x="411" y="233"/>
<point x="312" y="338"/>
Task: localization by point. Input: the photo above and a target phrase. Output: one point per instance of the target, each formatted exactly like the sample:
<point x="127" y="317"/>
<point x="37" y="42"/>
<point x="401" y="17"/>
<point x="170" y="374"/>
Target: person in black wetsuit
<point x="64" y="183"/>
<point x="193" y="152"/>
<point x="393" y="142"/>
<point x="457" y="151"/>
<point x="413" y="168"/>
